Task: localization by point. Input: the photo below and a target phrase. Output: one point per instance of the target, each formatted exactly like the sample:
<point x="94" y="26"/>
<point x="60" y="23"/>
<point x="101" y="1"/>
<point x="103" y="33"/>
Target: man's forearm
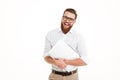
<point x="57" y="61"/>
<point x="49" y="60"/>
<point x="75" y="62"/>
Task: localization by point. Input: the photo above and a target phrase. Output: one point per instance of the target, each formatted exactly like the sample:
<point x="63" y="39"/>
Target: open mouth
<point x="66" y="24"/>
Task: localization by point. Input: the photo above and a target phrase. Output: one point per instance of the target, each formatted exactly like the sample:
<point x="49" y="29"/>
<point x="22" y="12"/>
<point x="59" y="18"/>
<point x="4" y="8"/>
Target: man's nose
<point x="67" y="20"/>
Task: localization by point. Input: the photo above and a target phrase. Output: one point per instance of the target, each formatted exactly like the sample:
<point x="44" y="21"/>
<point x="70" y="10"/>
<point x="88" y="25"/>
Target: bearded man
<point x="71" y="38"/>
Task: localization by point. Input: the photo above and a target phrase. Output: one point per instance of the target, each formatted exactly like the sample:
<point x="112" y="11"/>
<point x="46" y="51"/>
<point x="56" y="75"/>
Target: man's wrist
<point x="66" y="62"/>
<point x="53" y="61"/>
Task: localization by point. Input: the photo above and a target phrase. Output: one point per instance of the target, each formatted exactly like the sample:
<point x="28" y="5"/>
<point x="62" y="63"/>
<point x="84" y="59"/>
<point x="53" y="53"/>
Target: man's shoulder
<point x="75" y="32"/>
<point x="52" y="32"/>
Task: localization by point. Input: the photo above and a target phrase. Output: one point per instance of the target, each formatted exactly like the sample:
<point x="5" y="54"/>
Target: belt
<point x="64" y="73"/>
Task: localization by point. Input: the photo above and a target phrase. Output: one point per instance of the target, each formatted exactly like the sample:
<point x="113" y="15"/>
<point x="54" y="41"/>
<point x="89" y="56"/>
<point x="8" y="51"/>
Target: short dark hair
<point x="71" y="10"/>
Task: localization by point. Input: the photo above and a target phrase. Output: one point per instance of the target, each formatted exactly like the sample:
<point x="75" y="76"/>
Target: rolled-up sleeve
<point x="47" y="46"/>
<point x="82" y="51"/>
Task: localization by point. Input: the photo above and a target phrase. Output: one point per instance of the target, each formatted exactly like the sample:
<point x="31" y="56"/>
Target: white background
<point x="24" y="24"/>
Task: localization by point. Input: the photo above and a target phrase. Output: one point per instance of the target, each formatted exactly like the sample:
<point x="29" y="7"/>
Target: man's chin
<point x="66" y="27"/>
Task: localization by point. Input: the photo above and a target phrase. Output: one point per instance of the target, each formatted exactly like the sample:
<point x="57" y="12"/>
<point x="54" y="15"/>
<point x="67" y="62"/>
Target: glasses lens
<point x="68" y="18"/>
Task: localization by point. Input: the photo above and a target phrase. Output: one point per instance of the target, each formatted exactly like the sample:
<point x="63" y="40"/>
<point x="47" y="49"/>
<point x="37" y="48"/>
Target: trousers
<point x="54" y="76"/>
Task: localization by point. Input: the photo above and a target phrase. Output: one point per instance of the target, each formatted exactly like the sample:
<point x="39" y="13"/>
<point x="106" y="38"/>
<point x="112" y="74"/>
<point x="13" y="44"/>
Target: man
<point x="72" y="39"/>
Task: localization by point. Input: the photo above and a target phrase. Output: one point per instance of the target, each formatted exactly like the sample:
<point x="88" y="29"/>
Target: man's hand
<point x="60" y="63"/>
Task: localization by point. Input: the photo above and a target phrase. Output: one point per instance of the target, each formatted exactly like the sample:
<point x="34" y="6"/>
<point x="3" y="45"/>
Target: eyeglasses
<point x="68" y="18"/>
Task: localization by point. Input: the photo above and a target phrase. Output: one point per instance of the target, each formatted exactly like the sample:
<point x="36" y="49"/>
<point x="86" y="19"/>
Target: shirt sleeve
<point x="47" y="46"/>
<point x="82" y="51"/>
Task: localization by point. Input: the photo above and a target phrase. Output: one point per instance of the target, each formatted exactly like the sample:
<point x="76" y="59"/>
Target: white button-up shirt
<point x="72" y="39"/>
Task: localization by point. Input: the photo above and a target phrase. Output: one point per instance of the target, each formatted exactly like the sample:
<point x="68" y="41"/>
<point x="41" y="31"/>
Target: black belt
<point x="64" y="73"/>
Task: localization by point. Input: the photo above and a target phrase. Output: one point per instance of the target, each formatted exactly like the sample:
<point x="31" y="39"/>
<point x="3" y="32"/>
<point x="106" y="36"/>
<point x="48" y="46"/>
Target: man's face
<point x="68" y="20"/>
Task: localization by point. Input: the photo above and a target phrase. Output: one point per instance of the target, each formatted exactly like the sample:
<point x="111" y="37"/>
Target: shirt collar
<point x="71" y="30"/>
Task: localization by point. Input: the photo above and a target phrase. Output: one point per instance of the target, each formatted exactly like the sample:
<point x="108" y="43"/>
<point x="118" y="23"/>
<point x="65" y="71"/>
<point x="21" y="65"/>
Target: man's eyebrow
<point x="67" y="16"/>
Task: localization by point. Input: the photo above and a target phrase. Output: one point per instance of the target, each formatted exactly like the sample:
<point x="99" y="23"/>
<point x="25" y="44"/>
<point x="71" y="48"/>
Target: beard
<point x="65" y="30"/>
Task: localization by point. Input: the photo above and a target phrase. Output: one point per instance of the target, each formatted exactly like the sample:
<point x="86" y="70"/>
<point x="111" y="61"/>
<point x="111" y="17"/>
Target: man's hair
<point x="71" y="11"/>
